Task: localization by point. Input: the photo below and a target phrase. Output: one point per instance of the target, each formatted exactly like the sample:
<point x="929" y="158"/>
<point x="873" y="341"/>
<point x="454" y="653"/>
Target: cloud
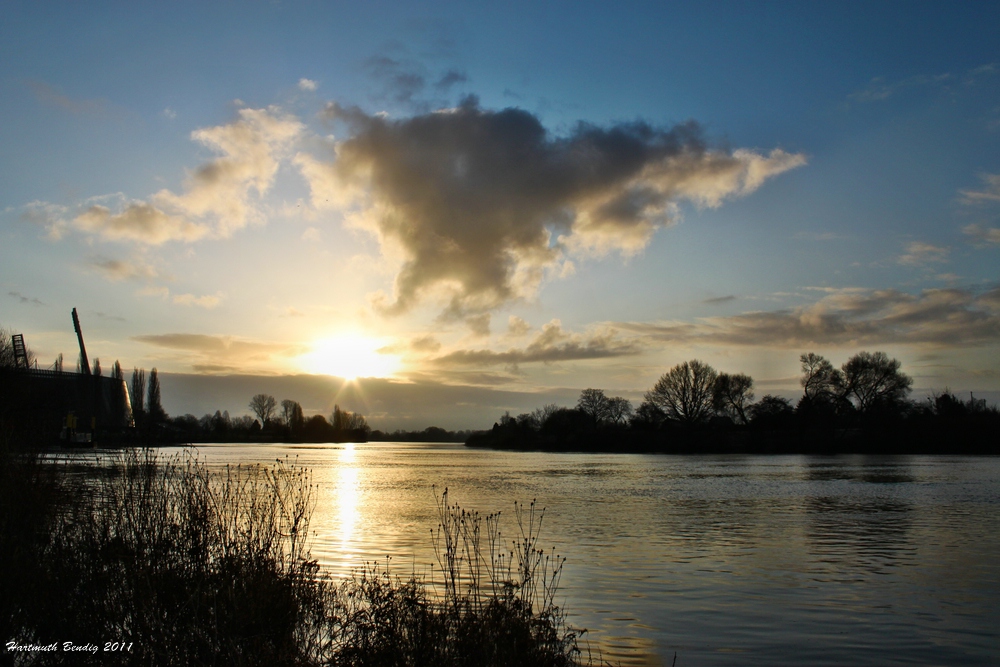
<point x="312" y="234"/>
<point x="308" y="85"/>
<point x="51" y="96"/>
<point x="138" y="222"/>
<point x="249" y="150"/>
<point x="551" y="345"/>
<point x="403" y="80"/>
<point x="990" y="194"/>
<point x="219" y="198"/>
<point x="224" y="352"/>
<point x="719" y="300"/>
<point x="450" y="78"/>
<point x="170" y="113"/>
<point x="207" y="301"/>
<point x="938" y="317"/>
<point x="983" y="236"/>
<point x="879" y="89"/>
<point x="481" y="206"/>
<point x="517" y="326"/>
<point x="919" y="254"/>
<point x="117" y="270"/>
<point x="479" y="324"/>
<point x="24" y="299"/>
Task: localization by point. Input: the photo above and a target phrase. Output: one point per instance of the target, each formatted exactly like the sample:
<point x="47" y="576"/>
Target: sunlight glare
<point x="350" y="356"/>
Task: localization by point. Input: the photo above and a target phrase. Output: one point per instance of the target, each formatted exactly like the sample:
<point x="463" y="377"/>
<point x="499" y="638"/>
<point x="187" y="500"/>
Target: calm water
<point x="727" y="560"/>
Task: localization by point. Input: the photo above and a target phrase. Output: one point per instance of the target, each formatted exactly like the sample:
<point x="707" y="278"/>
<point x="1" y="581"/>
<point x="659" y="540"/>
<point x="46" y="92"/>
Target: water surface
<point x="725" y="560"/>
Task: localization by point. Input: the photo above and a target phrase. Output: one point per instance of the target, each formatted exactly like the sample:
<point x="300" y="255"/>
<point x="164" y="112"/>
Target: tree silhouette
<point x="263" y="406"/>
<point x="153" y="406"/>
<point x="732" y="395"/>
<point x="594" y="404"/>
<point x="872" y="378"/>
<point x="820" y="380"/>
<point x="138" y="397"/>
<point x="619" y="410"/>
<point x="684" y="392"/>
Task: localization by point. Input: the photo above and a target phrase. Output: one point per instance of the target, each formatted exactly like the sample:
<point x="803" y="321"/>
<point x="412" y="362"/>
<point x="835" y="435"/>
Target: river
<point x="723" y="560"/>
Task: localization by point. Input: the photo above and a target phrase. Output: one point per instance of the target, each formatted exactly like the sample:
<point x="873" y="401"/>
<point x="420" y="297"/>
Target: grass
<point x="193" y="566"/>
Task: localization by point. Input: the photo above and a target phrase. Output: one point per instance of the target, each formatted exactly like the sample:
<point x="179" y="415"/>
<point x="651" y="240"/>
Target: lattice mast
<point x="20" y="351"/>
<point x="84" y="362"/>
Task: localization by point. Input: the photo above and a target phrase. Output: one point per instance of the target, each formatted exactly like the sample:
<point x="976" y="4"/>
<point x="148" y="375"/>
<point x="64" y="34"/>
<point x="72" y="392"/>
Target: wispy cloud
<point x="51" y="96"/>
<point x="989" y="194"/>
<point x="118" y="269"/>
<point x="719" y="300"/>
<point x="920" y="254"/>
<point x="951" y="318"/>
<point x="983" y="236"/>
<point x="220" y="196"/>
<point x="879" y="89"/>
<point x="552" y="344"/>
<point x="484" y="205"/>
<point x="224" y="353"/>
<point x="34" y="301"/>
<point x="308" y="85"/>
<point x="206" y="301"/>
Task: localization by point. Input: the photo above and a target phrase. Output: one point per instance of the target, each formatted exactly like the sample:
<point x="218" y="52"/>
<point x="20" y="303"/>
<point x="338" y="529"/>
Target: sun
<point x="350" y="356"/>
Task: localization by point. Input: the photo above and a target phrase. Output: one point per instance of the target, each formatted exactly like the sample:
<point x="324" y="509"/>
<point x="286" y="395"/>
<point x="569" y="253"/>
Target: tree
<point x="542" y="414"/>
<point x="96" y="372"/>
<point x="343" y="420"/>
<point x="263" y="406"/>
<point x="138" y="393"/>
<point x="619" y="410"/>
<point x="153" y="406"/>
<point x="647" y="416"/>
<point x="595" y="404"/>
<point x="732" y="395"/>
<point x="291" y="412"/>
<point x="820" y="380"/>
<point x="872" y="378"/>
<point x="684" y="392"/>
<point x="771" y="412"/>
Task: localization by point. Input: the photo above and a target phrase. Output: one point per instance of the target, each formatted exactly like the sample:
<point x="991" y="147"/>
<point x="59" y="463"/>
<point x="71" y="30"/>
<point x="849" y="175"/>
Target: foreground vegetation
<point x="172" y="563"/>
<point x="861" y="407"/>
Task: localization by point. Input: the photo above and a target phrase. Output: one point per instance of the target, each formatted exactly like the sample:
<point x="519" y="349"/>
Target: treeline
<point x="861" y="407"/>
<point x="271" y="424"/>
<point x="429" y="434"/>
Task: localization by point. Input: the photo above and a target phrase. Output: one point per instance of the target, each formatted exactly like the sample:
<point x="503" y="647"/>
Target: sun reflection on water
<point x="348" y="496"/>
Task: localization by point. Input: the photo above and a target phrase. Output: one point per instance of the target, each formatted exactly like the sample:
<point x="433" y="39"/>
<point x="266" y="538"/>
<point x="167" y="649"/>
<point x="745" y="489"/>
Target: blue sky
<point x="269" y="189"/>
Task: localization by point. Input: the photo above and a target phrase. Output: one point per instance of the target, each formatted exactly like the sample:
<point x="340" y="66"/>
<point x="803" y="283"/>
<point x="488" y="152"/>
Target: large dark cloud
<point x="482" y="205"/>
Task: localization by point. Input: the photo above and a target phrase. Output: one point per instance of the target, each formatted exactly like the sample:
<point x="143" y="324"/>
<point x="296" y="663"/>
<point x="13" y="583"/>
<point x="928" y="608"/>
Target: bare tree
<point x="542" y="414"/>
<point x="263" y="406"/>
<point x="619" y="410"/>
<point x="594" y="403"/>
<point x="872" y="378"/>
<point x="344" y="420"/>
<point x="820" y="380"/>
<point x="289" y="409"/>
<point x="684" y="392"/>
<point x="732" y="396"/>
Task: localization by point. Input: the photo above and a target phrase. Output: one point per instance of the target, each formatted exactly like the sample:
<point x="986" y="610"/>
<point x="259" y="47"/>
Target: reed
<point x="192" y="566"/>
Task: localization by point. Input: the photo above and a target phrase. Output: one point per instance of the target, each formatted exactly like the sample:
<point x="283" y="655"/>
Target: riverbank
<point x="173" y="563"/>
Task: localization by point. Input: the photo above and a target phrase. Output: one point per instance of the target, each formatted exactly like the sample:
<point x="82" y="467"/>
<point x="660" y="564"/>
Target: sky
<point x="434" y="213"/>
